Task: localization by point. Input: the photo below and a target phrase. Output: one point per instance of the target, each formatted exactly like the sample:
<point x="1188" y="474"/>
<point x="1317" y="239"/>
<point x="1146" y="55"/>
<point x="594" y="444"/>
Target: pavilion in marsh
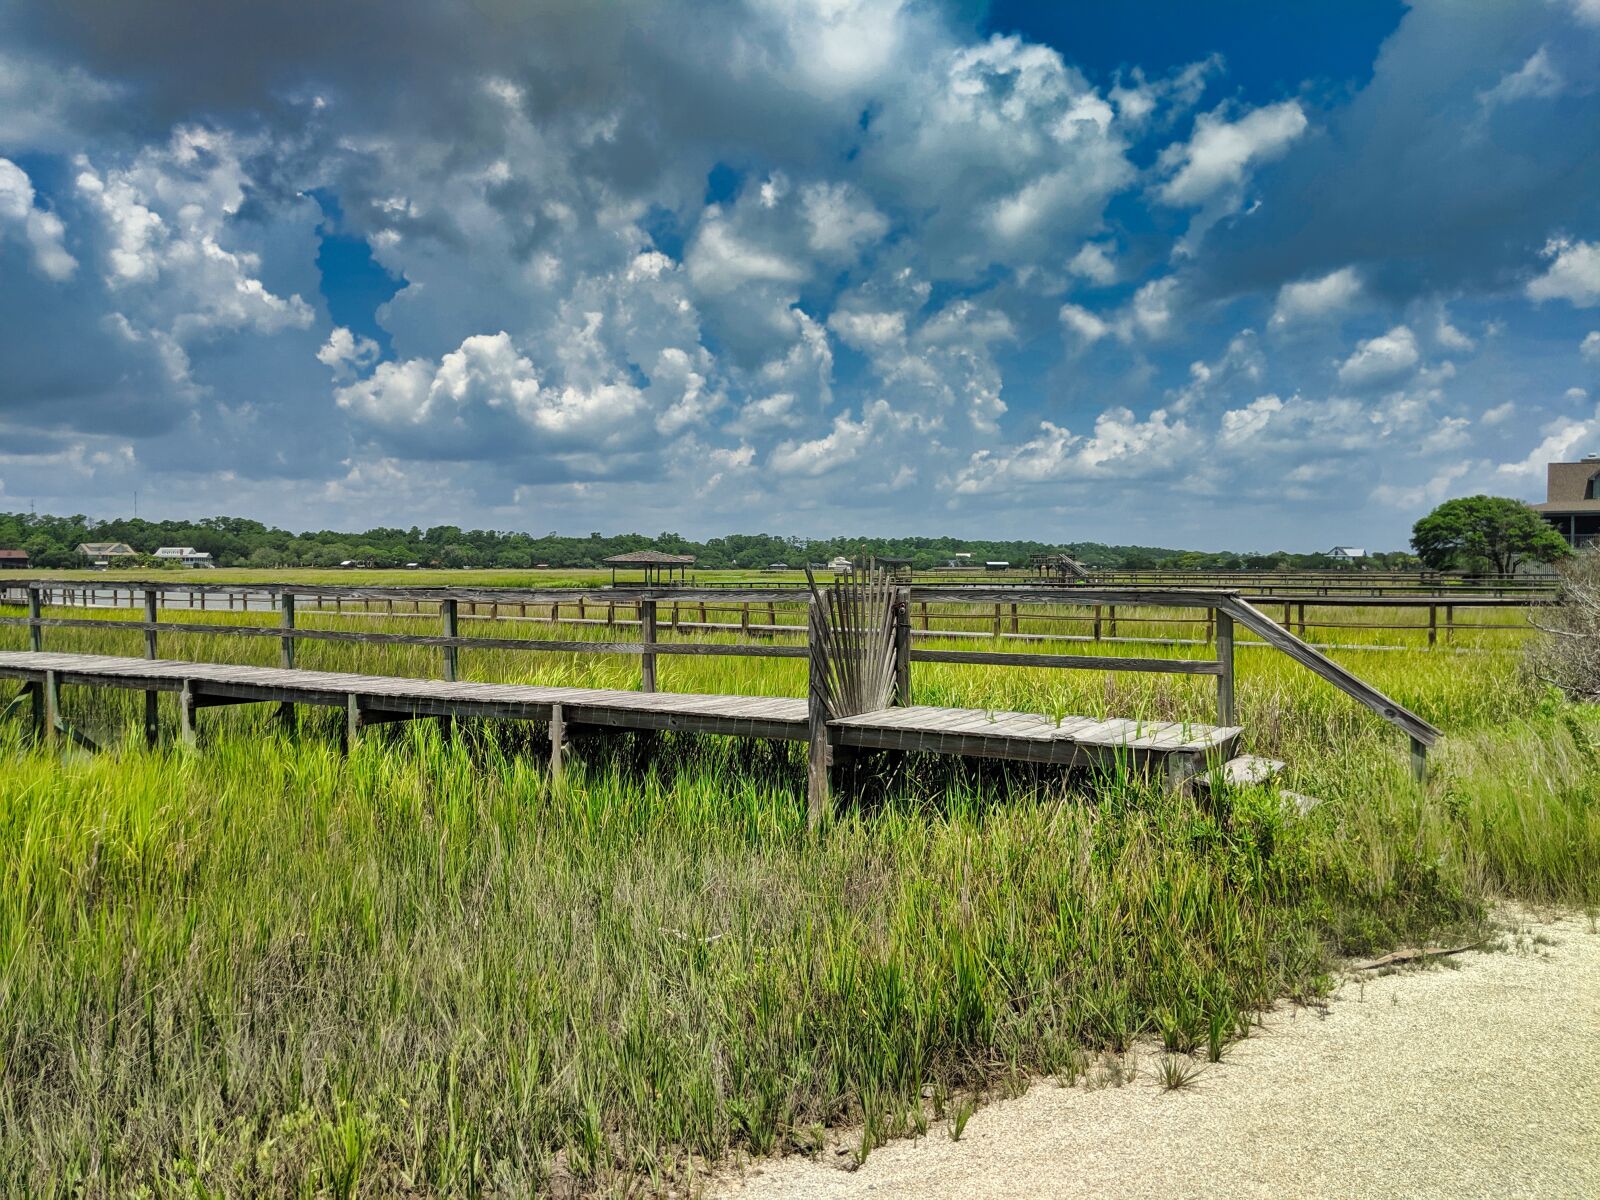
<point x="656" y="565"/>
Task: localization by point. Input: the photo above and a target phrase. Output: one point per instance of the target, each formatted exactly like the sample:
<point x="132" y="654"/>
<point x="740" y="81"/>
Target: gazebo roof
<point x="650" y="558"/>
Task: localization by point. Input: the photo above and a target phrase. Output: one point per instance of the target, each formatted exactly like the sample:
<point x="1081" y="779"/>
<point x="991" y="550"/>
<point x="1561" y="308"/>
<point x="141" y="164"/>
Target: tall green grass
<point x="267" y="967"/>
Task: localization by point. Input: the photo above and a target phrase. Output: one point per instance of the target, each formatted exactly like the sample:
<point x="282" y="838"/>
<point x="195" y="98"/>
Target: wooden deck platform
<point x="1180" y="748"/>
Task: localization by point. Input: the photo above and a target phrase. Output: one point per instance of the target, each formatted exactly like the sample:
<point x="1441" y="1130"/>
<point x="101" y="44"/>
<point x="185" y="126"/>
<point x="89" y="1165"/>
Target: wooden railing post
<point x="1433" y="626"/>
<point x="36" y="644"/>
<point x="647" y="621"/>
<point x="902" y="647"/>
<point x="152" y="727"/>
<point x="1419" y="760"/>
<point x="35" y="630"/>
<point x="1225" y="709"/>
<point x="286" y="621"/>
<point x="452" y="628"/>
<point x="818" y="799"/>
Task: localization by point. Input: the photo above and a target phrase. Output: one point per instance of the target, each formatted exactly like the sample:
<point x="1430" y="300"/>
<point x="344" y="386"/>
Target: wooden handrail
<point x="1279" y="638"/>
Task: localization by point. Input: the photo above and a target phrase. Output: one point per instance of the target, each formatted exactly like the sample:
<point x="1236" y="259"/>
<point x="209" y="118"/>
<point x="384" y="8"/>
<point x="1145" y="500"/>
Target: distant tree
<point x="1493" y="531"/>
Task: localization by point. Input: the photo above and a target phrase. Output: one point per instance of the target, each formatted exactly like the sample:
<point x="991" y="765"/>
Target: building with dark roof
<point x="1572" y="499"/>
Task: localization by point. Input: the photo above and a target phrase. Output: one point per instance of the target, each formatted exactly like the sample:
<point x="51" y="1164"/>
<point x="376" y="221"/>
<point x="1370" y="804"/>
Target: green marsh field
<point x="268" y="966"/>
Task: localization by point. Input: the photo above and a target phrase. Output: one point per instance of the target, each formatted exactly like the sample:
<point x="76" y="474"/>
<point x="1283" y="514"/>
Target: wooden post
<point x="448" y="613"/>
<point x="1111" y="620"/>
<point x="647" y="671"/>
<point x="902" y="648"/>
<point x="186" y="708"/>
<point x="1419" y="760"/>
<point x="744" y="617"/>
<point x="1097" y="622"/>
<point x="1433" y="626"/>
<point x="772" y="613"/>
<point x="36" y="643"/>
<point x="52" y="707"/>
<point x="152" y="727"/>
<point x="558" y="737"/>
<point x="818" y="799"/>
<point x="1225" y="710"/>
<point x="1449" y="622"/>
<point x="353" y="722"/>
<point x="286" y="621"/>
<point x="1014" y="628"/>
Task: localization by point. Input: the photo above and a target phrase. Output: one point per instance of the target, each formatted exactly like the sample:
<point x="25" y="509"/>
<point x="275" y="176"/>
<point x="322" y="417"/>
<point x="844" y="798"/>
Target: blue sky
<point x="1241" y="275"/>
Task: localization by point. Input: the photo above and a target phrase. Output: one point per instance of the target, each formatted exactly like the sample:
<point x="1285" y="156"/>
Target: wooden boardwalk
<point x="1180" y="748"/>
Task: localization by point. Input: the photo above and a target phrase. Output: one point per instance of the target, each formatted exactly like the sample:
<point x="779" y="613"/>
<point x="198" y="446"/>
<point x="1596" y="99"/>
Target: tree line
<point x="52" y="542"/>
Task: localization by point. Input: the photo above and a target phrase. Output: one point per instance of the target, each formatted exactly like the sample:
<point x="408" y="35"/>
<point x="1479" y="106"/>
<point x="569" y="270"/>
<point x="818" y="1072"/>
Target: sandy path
<point x="1477" y="1081"/>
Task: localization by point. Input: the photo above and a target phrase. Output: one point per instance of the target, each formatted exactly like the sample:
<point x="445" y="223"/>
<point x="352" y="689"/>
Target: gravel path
<point x="1481" y="1078"/>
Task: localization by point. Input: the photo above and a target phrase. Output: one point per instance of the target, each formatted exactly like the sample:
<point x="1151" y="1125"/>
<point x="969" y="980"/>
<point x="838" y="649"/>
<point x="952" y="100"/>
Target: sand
<point x="1476" y="1078"/>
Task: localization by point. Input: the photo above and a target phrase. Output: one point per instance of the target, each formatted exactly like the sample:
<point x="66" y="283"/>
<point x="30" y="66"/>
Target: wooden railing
<point x="722" y="610"/>
<point x="1224" y="610"/>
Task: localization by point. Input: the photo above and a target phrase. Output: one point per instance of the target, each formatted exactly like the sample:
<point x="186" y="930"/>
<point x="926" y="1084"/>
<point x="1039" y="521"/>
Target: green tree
<point x="1493" y="531"/>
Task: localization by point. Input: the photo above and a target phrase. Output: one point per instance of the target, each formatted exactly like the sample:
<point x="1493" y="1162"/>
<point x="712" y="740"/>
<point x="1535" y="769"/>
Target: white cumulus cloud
<point x="1316" y="299"/>
<point x="42" y="230"/>
<point x="1573" y="274"/>
<point x="1381" y="359"/>
<point x="1219" y="153"/>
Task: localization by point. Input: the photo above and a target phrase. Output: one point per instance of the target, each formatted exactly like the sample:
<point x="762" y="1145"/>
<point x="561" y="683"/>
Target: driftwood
<point x="1413" y="954"/>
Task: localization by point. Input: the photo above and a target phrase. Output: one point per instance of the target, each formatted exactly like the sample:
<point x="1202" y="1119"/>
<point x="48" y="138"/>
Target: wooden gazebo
<point x="656" y="565"/>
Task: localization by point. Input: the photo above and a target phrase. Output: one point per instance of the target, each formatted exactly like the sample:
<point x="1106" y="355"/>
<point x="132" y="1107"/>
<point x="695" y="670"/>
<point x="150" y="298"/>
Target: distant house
<point x="1572" y="499"/>
<point x="1347" y="554"/>
<point x="839" y="563"/>
<point x="100" y="555"/>
<point x="997" y="565"/>
<point x="185" y="556"/>
<point x="14" y="560"/>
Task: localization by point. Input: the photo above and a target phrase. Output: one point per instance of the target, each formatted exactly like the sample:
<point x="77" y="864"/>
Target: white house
<point x="839" y="563"/>
<point x="1347" y="554"/>
<point x="185" y="556"/>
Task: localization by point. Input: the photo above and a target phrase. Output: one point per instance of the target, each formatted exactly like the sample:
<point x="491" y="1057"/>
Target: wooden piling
<point x="52" y="707"/>
<point x="1224" y="627"/>
<point x="186" y="711"/>
<point x="818" y="799"/>
<point x="448" y="615"/>
<point x="647" y="660"/>
<point x="152" y="727"/>
<point x="558" y="737"/>
<point x="902" y="647"/>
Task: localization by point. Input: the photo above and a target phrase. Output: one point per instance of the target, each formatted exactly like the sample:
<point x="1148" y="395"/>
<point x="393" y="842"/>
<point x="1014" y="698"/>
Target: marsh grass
<point x="271" y="968"/>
